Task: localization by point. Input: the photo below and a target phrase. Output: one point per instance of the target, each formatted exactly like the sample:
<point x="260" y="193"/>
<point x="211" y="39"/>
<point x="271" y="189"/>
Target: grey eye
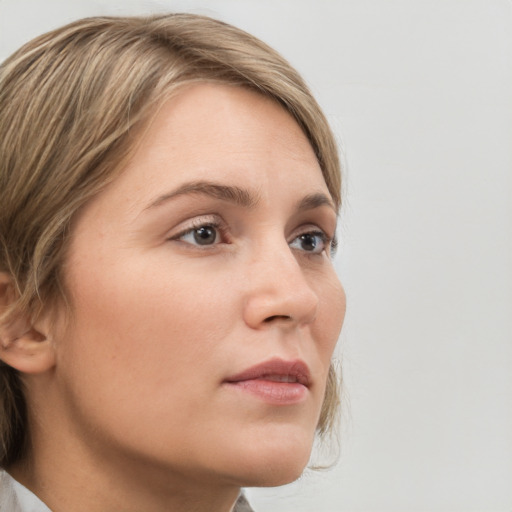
<point x="202" y="235"/>
<point x="310" y="242"/>
<point x="205" y="235"/>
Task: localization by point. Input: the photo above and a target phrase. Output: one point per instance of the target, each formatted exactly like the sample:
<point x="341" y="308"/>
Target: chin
<point x="274" y="460"/>
<point x="272" y="472"/>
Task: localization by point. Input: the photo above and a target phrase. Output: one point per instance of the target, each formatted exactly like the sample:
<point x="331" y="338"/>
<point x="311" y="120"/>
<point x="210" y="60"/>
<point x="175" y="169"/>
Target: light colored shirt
<point x="15" y="497"/>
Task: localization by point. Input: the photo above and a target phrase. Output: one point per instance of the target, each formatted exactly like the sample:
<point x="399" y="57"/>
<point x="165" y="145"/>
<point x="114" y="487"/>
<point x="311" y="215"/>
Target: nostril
<point x="277" y="317"/>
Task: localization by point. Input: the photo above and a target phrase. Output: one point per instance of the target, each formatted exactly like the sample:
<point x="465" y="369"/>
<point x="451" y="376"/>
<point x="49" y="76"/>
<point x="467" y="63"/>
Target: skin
<point x="129" y="408"/>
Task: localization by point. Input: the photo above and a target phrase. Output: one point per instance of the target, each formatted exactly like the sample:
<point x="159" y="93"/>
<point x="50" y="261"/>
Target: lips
<point x="275" y="381"/>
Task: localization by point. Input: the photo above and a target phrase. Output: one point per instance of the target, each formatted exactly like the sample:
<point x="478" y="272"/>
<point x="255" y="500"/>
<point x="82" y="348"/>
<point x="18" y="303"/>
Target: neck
<point x="67" y="475"/>
<point x="82" y="489"/>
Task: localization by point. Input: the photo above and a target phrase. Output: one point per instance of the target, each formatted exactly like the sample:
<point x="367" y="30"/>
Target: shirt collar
<point x="15" y="497"/>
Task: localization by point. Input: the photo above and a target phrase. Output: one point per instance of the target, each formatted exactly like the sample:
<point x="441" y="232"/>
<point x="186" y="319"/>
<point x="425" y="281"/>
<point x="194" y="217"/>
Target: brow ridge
<point x="230" y="193"/>
<point x="315" y="200"/>
<point x="237" y="195"/>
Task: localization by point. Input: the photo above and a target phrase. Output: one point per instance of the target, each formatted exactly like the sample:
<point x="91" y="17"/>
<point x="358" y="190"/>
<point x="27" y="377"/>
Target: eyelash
<point x="197" y="224"/>
<point x="328" y="244"/>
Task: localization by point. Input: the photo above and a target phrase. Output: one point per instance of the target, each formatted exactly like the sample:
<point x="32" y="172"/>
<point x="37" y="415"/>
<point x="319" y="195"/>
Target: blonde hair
<point x="71" y="104"/>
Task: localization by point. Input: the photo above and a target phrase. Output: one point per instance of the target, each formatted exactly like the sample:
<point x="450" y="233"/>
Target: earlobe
<point x="23" y="346"/>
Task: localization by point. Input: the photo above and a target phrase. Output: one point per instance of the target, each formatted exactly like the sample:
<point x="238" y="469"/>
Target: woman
<point x="169" y="195"/>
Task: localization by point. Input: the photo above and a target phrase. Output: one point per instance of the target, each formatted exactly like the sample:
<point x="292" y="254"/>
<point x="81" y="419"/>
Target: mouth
<point x="276" y="381"/>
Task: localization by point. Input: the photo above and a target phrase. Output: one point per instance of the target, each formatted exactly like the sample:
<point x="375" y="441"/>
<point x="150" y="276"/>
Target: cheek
<point x="152" y="311"/>
<point x="144" y="350"/>
<point x="331" y="313"/>
<point x="145" y="330"/>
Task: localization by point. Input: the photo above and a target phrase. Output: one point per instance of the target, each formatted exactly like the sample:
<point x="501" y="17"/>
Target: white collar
<point x="15" y="497"/>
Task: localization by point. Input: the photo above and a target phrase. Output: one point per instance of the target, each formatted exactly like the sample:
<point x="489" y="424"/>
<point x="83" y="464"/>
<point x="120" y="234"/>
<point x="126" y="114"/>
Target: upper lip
<point x="275" y="368"/>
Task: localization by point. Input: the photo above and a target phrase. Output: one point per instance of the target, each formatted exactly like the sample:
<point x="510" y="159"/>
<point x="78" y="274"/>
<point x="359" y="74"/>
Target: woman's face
<point x="206" y="306"/>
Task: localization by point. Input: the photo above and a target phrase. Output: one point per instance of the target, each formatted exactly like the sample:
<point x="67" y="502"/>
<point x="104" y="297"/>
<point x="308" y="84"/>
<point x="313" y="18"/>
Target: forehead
<point x="219" y="133"/>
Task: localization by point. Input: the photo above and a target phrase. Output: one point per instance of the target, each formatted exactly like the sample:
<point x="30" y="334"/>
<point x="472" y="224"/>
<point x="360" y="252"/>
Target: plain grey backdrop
<point x="419" y="93"/>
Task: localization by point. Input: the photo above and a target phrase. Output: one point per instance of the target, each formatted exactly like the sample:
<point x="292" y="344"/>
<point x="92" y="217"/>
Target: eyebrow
<point x="237" y="195"/>
<point x="312" y="201"/>
<point x="230" y="193"/>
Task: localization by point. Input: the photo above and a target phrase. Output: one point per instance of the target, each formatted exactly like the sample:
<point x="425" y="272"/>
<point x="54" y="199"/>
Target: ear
<point x="23" y="346"/>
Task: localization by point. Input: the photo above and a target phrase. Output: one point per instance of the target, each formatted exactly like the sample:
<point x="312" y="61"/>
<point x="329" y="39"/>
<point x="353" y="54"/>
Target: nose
<point x="278" y="291"/>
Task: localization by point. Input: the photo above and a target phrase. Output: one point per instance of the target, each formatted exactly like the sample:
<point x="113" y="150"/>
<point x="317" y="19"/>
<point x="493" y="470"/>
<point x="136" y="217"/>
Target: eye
<point x="314" y="242"/>
<point x="205" y="234"/>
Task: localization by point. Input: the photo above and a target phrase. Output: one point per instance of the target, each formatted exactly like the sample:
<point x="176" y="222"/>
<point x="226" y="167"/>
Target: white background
<point x="420" y="94"/>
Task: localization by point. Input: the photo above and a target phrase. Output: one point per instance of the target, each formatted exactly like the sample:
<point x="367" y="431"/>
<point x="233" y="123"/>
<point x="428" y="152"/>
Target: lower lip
<point x="277" y="393"/>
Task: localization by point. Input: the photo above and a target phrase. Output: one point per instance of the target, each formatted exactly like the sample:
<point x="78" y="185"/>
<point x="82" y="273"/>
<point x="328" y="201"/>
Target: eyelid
<point x="310" y="227"/>
<point x="186" y="227"/>
<point x="218" y="223"/>
<point x="314" y="229"/>
<point x="334" y="245"/>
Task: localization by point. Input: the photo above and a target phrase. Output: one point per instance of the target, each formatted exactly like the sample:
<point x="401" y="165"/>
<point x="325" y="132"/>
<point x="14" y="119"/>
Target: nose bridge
<point x="279" y="290"/>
